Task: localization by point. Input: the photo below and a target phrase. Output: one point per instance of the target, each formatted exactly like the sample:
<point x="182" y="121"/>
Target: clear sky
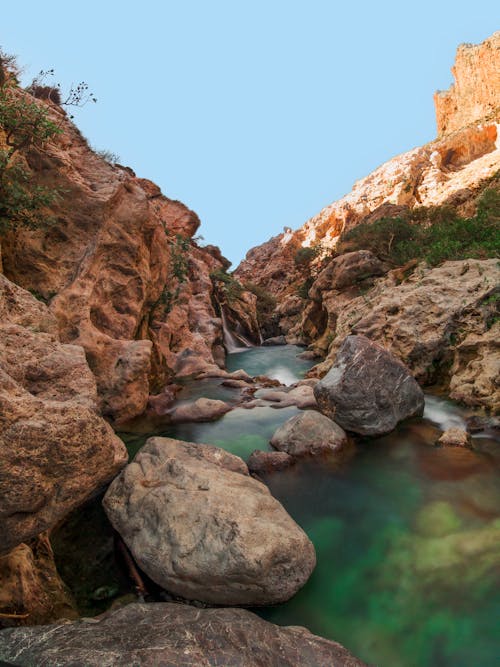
<point x="256" y="114"/>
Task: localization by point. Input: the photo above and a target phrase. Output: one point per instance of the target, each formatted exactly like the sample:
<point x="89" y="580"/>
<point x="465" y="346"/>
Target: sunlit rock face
<point x="451" y="170"/>
<point x="121" y="273"/>
<point x="55" y="448"/>
<point x="475" y="92"/>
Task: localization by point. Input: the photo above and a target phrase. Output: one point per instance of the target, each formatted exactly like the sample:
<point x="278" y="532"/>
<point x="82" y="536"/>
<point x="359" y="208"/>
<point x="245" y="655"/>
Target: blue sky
<point x="255" y="114"/>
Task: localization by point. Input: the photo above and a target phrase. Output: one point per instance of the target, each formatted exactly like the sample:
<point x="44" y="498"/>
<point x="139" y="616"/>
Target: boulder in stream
<point x="204" y="531"/>
<point x="309" y="433"/>
<point x="172" y="635"/>
<point x="368" y="390"/>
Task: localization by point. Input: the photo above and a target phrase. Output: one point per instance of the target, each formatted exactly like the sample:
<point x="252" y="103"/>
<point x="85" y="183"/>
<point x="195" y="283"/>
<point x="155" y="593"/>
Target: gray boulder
<point x="204" y="531"/>
<point x="171" y="635"/>
<point x="368" y="390"/>
<point x="309" y="432"/>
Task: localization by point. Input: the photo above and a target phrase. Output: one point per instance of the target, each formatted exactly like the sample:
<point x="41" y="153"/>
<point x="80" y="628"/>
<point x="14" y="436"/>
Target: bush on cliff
<point x="433" y="234"/>
<point x="24" y="125"/>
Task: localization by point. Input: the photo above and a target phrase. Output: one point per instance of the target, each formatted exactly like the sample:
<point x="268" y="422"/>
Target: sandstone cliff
<point x="316" y="302"/>
<point x="122" y="274"/>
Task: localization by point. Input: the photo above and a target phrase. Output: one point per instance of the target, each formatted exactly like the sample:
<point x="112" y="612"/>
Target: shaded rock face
<point x="31" y="592"/>
<point x="475" y="91"/>
<point x="449" y="170"/>
<point x="311" y="433"/>
<point x="172" y="635"/>
<point x="205" y="532"/>
<point x="444" y="316"/>
<point x="123" y="277"/>
<point x="368" y="391"/>
<point x="55" y="449"/>
<point x="261" y="462"/>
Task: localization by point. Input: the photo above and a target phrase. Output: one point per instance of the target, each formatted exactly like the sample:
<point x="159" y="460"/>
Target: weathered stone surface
<point x="31" y="592"/>
<point x="172" y="635"/>
<point x="121" y="273"/>
<point x="55" y="449"/>
<point x="445" y="313"/>
<point x="455" y="437"/>
<point x="450" y="170"/>
<point x="309" y="433"/>
<point x="475" y="91"/>
<point x="283" y="397"/>
<point x="275" y="340"/>
<point x="265" y="462"/>
<point x="368" y="390"/>
<point x="201" y="410"/>
<point x="204" y="532"/>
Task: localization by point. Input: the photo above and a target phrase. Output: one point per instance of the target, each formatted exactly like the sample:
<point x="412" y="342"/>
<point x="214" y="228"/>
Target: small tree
<point x="24" y="124"/>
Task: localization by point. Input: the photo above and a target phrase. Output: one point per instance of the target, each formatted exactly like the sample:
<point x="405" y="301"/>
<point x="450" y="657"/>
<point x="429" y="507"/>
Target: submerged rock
<point x="368" y="390"/>
<point x="455" y="437"/>
<point x="309" y="432"/>
<point x="266" y="462"/>
<point x="204" y="532"/>
<point x="172" y="635"/>
<point x="201" y="410"/>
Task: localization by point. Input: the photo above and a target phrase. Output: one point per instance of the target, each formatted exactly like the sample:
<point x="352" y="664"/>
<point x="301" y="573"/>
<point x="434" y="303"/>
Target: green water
<point x="407" y="535"/>
<point x="279" y="362"/>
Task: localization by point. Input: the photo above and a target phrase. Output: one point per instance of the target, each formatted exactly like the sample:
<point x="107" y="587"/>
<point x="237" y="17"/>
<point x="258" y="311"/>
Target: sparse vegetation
<point x="266" y="302"/>
<point x="305" y="256"/>
<point x="229" y="286"/>
<point x="432" y="234"/>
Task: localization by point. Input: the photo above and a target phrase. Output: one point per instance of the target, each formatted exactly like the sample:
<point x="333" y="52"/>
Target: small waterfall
<point x="233" y="342"/>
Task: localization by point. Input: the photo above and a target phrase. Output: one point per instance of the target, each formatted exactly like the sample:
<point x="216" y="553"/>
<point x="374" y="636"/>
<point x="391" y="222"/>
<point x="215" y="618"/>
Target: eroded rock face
<point x="450" y="170"/>
<point x="311" y="433"/>
<point x="368" y="391"/>
<point x="204" y="532"/>
<point x="475" y="91"/>
<point x="432" y="316"/>
<point x="31" y="592"/>
<point x="172" y="635"/>
<point x="55" y="449"/>
<point x="122" y="274"/>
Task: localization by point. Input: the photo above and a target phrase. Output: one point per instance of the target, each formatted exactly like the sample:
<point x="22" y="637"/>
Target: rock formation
<point x="311" y="433"/>
<point x="368" y="391"/>
<point x="172" y="635"/>
<point x="204" y="531"/>
<point x="122" y="274"/>
<point x="475" y="93"/>
<point x="321" y="300"/>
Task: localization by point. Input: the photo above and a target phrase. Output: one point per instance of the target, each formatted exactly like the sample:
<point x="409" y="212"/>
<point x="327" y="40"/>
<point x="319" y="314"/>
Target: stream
<point x="407" y="535"/>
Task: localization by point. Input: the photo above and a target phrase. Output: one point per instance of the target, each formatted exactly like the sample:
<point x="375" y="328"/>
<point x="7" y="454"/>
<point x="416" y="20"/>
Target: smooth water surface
<point x="407" y="535"/>
<point x="279" y="362"/>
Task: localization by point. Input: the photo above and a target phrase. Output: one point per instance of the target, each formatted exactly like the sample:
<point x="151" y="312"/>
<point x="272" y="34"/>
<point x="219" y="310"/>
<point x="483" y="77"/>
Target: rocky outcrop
<point x="441" y="322"/>
<point x="310" y="433"/>
<point x="368" y="391"/>
<point x="31" y="592"/>
<point x="205" y="532"/>
<point x="450" y="170"/>
<point x="261" y="462"/>
<point x="121" y="273"/>
<point x="475" y="93"/>
<point x="172" y="635"/>
<point x="455" y="437"/>
<point x="201" y="410"/>
<point x="55" y="449"/>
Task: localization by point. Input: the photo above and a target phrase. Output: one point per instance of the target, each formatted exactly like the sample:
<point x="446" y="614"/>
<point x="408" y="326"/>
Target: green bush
<point x="230" y="287"/>
<point x="433" y="234"/>
<point x="305" y="256"/>
<point x="266" y="302"/>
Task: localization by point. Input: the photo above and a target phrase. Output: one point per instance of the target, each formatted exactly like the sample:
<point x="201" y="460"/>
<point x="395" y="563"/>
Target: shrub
<point x="305" y="256"/>
<point x="435" y="234"/>
<point x="266" y="302"/>
<point x="229" y="286"/>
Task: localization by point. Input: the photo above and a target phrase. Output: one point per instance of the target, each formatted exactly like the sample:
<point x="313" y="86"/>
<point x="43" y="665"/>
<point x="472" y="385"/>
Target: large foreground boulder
<point x="172" y="635"/>
<point x="309" y="432"/>
<point x="55" y="448"/>
<point x="368" y="390"/>
<point x="203" y="530"/>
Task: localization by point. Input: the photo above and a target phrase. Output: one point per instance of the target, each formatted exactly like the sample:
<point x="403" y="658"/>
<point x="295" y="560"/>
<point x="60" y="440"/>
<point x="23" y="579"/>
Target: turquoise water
<point x="407" y="535"/>
<point x="279" y="362"/>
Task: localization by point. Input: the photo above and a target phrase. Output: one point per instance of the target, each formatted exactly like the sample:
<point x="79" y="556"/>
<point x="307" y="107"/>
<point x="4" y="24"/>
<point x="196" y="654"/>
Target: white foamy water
<point x="282" y="374"/>
<point x="444" y="414"/>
